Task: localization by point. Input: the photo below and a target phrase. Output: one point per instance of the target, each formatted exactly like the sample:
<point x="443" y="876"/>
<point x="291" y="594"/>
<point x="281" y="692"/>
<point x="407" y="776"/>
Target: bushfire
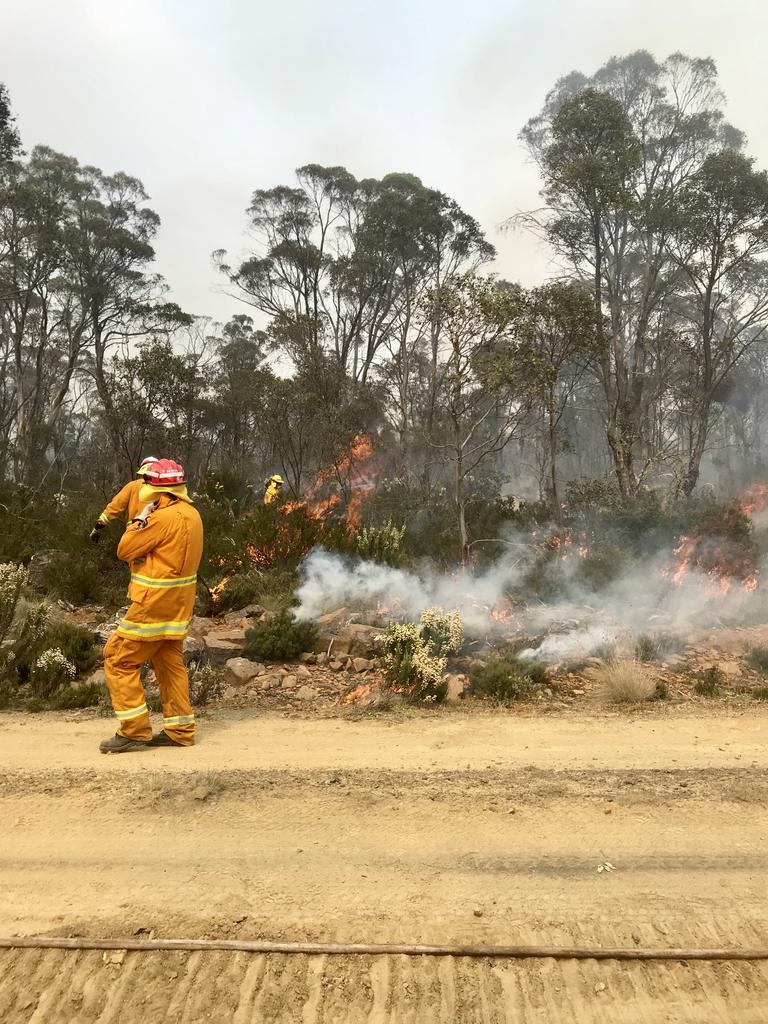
<point x="722" y="549"/>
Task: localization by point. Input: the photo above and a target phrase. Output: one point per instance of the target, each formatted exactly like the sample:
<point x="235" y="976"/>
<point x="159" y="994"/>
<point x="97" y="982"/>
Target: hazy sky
<point x="206" y="101"/>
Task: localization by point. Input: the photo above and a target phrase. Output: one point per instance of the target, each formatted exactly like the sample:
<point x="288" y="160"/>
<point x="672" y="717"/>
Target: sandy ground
<point x="429" y="829"/>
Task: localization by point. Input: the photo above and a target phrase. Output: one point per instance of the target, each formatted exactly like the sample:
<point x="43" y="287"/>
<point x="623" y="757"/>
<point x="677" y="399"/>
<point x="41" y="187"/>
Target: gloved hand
<point x="95" y="533"/>
<point x="143" y="516"/>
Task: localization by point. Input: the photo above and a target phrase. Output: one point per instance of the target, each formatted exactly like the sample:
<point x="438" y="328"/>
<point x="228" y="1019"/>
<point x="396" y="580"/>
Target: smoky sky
<point x="206" y="101"/>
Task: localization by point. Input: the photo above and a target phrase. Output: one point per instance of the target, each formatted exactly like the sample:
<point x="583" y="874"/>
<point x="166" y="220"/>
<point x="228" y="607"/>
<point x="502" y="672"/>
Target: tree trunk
<point x="555" y="496"/>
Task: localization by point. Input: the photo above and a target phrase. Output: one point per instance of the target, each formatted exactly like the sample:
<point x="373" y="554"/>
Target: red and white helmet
<point x="165" y="473"/>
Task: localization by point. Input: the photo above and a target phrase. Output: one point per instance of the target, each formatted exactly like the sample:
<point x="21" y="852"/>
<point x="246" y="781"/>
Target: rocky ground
<point x="342" y="675"/>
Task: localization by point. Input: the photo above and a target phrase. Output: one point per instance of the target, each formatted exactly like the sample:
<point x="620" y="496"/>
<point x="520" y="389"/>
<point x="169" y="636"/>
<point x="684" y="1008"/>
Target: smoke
<point x="583" y="620"/>
<point x="330" y="581"/>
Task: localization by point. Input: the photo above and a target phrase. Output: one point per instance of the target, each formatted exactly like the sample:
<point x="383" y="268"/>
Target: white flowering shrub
<point x="442" y="631"/>
<point x="50" y="672"/>
<point x="21" y="625"/>
<point x="415" y="656"/>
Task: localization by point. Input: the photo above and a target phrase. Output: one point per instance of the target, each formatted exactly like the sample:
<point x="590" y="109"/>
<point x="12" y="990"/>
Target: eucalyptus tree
<point x="337" y="261"/>
<point x="484" y="393"/>
<point x="616" y="151"/>
<point x="720" y="244"/>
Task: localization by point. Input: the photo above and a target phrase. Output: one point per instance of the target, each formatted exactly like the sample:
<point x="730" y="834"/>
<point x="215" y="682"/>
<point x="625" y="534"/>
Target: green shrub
<point x="381" y="544"/>
<point x="238" y="591"/>
<point x="50" y="673"/>
<point x="8" y="693"/>
<point x="501" y="680"/>
<point x="21" y="624"/>
<point x="536" y="672"/>
<point x="76" y="643"/>
<point x="88" y="695"/>
<point x="280" y="639"/>
<point x="603" y="564"/>
<point x="709" y="683"/>
<point x="758" y="659"/>
<point x="760" y="693"/>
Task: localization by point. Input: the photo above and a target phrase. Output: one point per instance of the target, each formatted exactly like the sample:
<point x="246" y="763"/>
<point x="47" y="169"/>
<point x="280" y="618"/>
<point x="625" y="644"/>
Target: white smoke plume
<point x="330" y="581"/>
<point x="580" y="622"/>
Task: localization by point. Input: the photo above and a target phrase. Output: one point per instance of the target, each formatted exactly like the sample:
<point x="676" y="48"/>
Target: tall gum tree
<point x="616" y="150"/>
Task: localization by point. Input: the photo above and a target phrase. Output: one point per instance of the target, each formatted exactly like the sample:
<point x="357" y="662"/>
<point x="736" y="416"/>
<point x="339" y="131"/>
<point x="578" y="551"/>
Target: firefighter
<point x="273" y="488"/>
<point x="125" y="502"/>
<point x="163" y="546"/>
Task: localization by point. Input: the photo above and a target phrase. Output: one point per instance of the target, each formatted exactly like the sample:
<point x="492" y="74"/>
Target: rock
<point x="352" y="640"/>
<point x="303" y="672"/>
<point x="729" y="668"/>
<point x="335" y="665"/>
<point x="288" y="681"/>
<point x="332" y="618"/>
<point x="222" y="645"/>
<point x="200" y="626"/>
<point x="308" y="659"/>
<point x="306" y="693"/>
<point x="361" y="664"/>
<point x="251" y="611"/>
<point x="458" y="685"/>
<point x="98" y="678"/>
<point x="578" y="693"/>
<point x="269" y="681"/>
<point x="116" y="957"/>
<point x="193" y="649"/>
<point x="241" y="671"/>
<point x="322" y="659"/>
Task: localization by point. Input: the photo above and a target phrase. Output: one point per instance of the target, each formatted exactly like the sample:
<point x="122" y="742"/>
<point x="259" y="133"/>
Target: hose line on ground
<point x="380" y="949"/>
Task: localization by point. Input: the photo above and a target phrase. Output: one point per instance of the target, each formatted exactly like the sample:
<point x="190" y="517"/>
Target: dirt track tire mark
<point x="58" y="988"/>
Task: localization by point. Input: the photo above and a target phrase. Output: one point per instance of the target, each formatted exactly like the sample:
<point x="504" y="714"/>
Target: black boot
<point x="162" y="739"/>
<point x="118" y="744"/>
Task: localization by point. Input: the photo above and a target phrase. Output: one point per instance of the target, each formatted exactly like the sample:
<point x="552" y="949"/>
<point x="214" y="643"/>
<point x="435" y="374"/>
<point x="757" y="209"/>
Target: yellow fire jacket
<point x="272" y="492"/>
<point x="164" y="557"/>
<point x="125" y="502"/>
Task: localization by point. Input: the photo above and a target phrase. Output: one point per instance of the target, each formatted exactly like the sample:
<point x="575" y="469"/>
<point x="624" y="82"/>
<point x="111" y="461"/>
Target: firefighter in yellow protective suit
<point x="163" y="547"/>
<point x="125" y="502"/>
<point x="273" y="488"/>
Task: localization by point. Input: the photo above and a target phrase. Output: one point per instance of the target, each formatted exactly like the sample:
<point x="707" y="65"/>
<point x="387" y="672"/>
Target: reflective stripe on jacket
<point x="125" y="502"/>
<point x="164" y="557"/>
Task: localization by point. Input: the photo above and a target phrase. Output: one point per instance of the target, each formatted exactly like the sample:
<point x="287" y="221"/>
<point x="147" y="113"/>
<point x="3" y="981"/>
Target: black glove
<point x="95" y="533"/>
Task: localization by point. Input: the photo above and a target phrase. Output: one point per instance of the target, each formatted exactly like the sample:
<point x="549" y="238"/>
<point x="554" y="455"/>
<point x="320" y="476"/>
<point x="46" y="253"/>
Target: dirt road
<point x="453" y="827"/>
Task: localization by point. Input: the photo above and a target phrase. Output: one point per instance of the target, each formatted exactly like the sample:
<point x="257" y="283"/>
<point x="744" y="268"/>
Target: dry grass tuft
<point x="625" y="682"/>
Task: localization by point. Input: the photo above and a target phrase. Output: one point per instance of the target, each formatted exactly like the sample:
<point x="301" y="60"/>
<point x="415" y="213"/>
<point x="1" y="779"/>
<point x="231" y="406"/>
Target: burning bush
<point x="722" y="547"/>
<point x="625" y="682"/>
<point x="415" y="656"/>
<point x="281" y="638"/>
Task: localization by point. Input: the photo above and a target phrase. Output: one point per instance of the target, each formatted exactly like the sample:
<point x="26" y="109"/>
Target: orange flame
<point x="353" y="473"/>
<point x="724" y="565"/>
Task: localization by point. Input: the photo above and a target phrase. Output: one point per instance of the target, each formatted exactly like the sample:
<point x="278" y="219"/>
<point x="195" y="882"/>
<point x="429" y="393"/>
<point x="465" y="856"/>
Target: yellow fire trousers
<point x="123" y="659"/>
